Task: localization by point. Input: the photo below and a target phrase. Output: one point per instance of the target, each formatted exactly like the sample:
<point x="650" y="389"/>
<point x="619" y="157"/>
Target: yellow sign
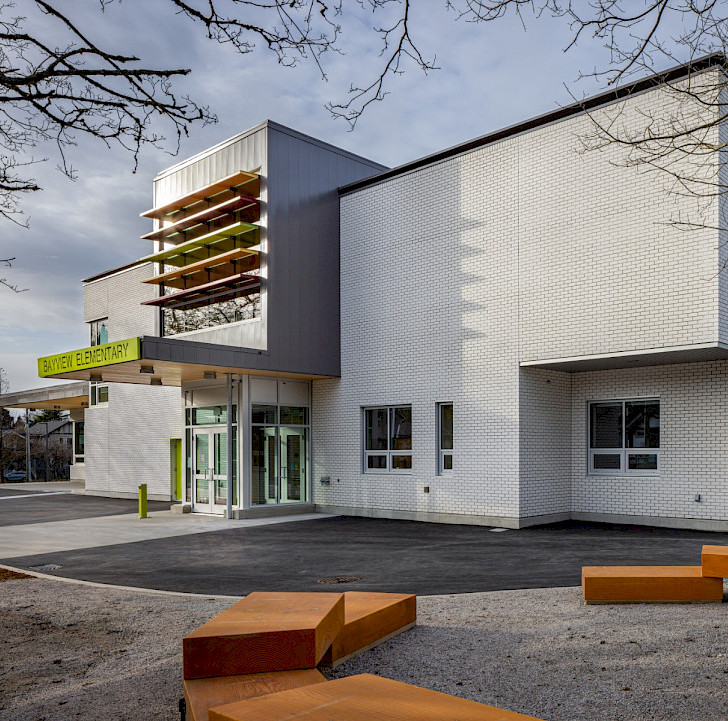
<point x="98" y="355"/>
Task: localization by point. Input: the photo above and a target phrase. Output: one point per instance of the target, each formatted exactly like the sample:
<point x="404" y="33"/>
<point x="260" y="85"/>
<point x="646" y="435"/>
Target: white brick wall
<point x="127" y="441"/>
<point x="429" y="312"/>
<point x="545" y="433"/>
<point x="603" y="268"/>
<point x="118" y="297"/>
<point x="525" y="249"/>
<point x="693" y="442"/>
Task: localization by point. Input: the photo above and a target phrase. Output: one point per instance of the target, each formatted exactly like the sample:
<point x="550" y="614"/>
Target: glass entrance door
<point x="280" y="464"/>
<point x="210" y="471"/>
<point x="294" y="464"/>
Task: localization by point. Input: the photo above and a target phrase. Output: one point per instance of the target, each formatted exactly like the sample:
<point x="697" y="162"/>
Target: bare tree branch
<point x="6" y="282"/>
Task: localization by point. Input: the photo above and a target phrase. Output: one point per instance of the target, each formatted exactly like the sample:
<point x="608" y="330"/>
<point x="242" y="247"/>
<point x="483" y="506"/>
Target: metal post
<point x="47" y="460"/>
<point x="230" y="479"/>
<point x="27" y="446"/>
<point x="143" y="500"/>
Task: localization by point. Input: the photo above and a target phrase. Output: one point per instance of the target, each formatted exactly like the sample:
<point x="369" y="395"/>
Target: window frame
<point x="389" y="452"/>
<point x="94" y="331"/>
<point x="441" y="451"/>
<point x="94" y="393"/>
<point x="623" y="452"/>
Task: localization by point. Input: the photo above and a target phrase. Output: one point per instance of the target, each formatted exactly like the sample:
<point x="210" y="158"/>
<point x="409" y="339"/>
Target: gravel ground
<point x="71" y="651"/>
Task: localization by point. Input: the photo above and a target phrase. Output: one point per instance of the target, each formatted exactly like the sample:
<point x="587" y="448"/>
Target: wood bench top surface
<point x="262" y="612"/>
<point x="203" y="693"/>
<point x="361" y="698"/>
<point x="641" y="571"/>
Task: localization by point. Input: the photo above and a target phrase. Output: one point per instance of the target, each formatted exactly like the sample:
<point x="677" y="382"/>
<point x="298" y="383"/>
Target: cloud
<point x="492" y="75"/>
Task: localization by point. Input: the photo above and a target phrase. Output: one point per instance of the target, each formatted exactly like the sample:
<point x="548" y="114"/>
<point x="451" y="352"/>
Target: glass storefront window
<point x="294" y="415"/>
<point x="211" y="415"/>
<point x="264" y="414"/>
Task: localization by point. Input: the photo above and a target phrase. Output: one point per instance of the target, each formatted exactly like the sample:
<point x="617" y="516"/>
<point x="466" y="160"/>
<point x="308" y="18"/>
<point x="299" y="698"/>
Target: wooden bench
<point x="649" y="584"/>
<point x="201" y="694"/>
<point x="361" y="698"/>
<point x="370" y="619"/>
<point x="715" y="561"/>
<point x="265" y="632"/>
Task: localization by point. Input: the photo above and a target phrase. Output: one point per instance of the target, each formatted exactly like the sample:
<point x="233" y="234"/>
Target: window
<point x="624" y="437"/>
<point x="445" y="437"/>
<point x="78" y="442"/>
<point x="210" y="415"/>
<point x="99" y="331"/>
<point x="99" y="393"/>
<point x="388" y="439"/>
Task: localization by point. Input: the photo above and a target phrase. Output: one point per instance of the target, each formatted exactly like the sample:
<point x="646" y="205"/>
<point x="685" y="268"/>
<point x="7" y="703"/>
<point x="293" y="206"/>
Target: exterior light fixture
<point x="148" y="370"/>
<point x="155" y="382"/>
<point x="95" y="377"/>
<point x="209" y="375"/>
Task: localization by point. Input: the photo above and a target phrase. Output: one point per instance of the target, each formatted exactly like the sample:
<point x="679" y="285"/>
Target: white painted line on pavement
<point x="35" y="495"/>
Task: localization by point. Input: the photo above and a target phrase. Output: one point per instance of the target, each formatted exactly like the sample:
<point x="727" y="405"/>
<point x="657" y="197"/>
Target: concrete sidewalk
<point x="80" y="533"/>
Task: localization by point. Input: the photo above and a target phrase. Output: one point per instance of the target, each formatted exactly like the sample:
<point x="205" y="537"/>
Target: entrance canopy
<point x="149" y="360"/>
<point x="66" y="397"/>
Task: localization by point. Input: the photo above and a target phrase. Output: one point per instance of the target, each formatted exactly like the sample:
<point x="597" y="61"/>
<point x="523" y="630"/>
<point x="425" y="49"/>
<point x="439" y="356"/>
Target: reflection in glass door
<point x="294" y="463"/>
<point x="202" y="469"/>
<point x="280" y="454"/>
<point x="210" y="470"/>
<point x="265" y="465"/>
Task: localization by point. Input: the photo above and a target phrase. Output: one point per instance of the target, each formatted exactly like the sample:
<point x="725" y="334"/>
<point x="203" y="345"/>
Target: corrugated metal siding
<point x="248" y="153"/>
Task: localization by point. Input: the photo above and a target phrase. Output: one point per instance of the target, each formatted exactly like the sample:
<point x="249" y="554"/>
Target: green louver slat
<point x="180" y="254"/>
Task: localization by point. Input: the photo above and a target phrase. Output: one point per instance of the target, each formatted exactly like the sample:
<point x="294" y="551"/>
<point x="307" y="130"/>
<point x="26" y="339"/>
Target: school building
<point x="508" y="332"/>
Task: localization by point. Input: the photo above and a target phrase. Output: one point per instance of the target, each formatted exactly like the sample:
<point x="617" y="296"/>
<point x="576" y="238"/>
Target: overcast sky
<point x="491" y="76"/>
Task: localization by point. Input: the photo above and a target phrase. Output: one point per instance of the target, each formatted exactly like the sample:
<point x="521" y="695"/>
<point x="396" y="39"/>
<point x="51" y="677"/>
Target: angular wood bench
<point x="201" y="694"/>
<point x="361" y="698"/>
<point x="649" y="584"/>
<point x="370" y="619"/>
<point x="714" y="561"/>
<point x="264" y="632"/>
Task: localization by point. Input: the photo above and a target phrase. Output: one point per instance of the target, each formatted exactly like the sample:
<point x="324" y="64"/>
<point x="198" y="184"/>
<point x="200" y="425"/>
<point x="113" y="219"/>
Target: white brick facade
<point x="693" y="443"/>
<point x="428" y="301"/>
<point x="127" y="440"/>
<point x="523" y="250"/>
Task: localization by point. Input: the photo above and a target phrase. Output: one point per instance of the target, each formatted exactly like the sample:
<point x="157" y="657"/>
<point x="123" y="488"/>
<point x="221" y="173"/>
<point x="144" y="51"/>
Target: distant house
<point x="51" y="447"/>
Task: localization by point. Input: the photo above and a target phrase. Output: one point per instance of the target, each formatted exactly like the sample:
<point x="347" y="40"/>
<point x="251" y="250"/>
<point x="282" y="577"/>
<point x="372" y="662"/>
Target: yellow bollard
<point x="143" y="500"/>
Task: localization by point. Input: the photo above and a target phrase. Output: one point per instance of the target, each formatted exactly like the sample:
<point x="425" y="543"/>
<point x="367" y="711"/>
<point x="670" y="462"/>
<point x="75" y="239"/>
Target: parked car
<point x="15" y="476"/>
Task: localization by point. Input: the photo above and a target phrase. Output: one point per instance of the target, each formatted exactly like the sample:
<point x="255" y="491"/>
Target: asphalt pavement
<point x="21" y="504"/>
<point x="345" y="553"/>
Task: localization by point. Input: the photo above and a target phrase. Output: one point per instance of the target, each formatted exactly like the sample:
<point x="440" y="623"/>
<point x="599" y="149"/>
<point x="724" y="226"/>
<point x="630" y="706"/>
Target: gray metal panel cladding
<point x="246" y="151"/>
<point x="300" y="180"/>
<point x="303" y="255"/>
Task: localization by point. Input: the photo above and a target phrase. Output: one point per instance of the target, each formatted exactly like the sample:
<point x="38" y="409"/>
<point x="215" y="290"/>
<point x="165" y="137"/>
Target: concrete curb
<point x="139" y="589"/>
